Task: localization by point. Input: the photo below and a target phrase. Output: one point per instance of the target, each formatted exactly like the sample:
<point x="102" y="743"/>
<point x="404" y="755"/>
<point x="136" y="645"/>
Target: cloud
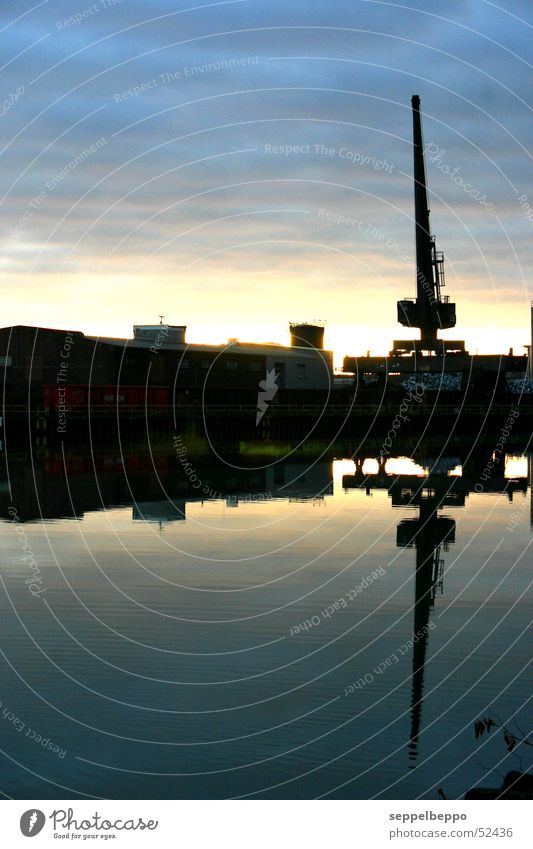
<point x="190" y="105"/>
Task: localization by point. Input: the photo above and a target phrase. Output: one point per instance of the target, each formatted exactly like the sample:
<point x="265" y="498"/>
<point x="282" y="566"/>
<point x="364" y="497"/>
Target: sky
<point x="238" y="165"/>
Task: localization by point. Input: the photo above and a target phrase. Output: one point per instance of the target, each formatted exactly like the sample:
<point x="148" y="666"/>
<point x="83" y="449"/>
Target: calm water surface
<point x="325" y="631"/>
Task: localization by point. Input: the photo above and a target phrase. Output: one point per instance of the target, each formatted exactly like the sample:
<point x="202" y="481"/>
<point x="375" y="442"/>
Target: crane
<point x="429" y="311"/>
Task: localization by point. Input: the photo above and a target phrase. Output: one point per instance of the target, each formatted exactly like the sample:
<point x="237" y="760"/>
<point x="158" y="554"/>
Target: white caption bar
<point x="265" y="824"/>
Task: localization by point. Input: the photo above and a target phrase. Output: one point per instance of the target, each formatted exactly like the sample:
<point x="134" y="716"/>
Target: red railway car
<point x="68" y="397"/>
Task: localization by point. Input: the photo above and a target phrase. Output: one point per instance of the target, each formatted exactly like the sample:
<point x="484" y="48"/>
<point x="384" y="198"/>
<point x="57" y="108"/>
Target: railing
<point x="279" y="409"/>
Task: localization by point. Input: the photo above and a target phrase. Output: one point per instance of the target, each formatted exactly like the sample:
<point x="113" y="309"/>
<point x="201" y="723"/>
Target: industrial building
<point x="156" y="367"/>
<point x="57" y="372"/>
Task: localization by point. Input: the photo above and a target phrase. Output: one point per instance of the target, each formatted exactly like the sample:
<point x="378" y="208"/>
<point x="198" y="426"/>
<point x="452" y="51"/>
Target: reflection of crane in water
<point x="429" y="534"/>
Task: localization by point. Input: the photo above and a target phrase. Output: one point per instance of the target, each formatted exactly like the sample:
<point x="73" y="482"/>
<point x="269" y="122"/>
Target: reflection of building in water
<point x="300" y="481"/>
<point x="430" y="535"/>
<point x="154" y="485"/>
<point x="530" y="479"/>
<point x="158" y="511"/>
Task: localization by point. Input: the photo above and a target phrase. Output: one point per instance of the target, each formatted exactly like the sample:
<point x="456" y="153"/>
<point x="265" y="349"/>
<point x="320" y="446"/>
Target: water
<point x="259" y="643"/>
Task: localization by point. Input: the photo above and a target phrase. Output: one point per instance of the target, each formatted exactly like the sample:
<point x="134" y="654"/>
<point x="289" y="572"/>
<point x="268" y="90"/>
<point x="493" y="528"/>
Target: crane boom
<point x="429" y="311"/>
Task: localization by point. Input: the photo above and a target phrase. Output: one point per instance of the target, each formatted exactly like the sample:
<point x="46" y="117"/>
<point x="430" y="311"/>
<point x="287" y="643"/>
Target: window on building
<point x="279" y="368"/>
<point x="300" y="371"/>
<point x="255" y="366"/>
<point x="231" y="365"/>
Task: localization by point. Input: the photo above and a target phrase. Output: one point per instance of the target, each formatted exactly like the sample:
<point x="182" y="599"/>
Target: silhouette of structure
<point x="430" y="311"/>
<point x="430" y="535"/>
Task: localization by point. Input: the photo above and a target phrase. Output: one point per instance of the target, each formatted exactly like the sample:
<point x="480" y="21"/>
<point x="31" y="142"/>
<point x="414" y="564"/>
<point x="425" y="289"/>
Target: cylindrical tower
<point x="307" y="336"/>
